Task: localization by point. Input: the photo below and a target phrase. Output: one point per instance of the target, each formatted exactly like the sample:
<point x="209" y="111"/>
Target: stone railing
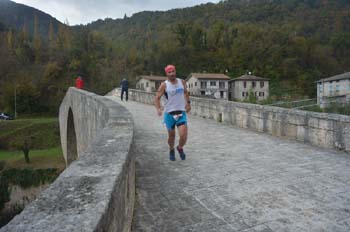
<point x="321" y="129"/>
<point x="96" y="192"/>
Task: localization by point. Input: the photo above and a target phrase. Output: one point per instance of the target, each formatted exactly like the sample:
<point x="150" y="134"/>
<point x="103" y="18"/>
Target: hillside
<point x="293" y="41"/>
<point x="17" y="16"/>
<point x="306" y="17"/>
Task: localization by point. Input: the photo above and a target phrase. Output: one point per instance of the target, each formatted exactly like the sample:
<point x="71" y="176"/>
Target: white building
<point x="241" y="87"/>
<point x="333" y="89"/>
<point x="149" y="83"/>
<point x="208" y="84"/>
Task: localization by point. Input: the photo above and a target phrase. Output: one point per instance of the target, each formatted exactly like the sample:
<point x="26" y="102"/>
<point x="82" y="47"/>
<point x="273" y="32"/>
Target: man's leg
<point x="121" y="96"/>
<point x="127" y="94"/>
<point x="171" y="142"/>
<point x="171" y="139"/>
<point x="183" y="135"/>
<point x="170" y="125"/>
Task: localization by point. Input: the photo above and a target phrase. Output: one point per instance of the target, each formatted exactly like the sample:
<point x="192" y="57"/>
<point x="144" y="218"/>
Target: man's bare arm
<point x="159" y="94"/>
<point x="187" y="97"/>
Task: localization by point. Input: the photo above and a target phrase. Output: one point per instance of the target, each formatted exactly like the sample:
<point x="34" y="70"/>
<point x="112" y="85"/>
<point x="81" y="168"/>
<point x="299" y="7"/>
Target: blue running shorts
<point x="175" y="120"/>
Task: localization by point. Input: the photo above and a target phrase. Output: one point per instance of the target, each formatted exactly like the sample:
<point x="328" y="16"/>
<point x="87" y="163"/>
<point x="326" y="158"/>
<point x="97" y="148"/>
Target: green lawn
<point x="47" y="158"/>
<point x="40" y="133"/>
<point x="10" y="126"/>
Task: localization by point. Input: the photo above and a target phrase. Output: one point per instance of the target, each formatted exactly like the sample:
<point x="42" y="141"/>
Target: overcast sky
<point x="86" y="11"/>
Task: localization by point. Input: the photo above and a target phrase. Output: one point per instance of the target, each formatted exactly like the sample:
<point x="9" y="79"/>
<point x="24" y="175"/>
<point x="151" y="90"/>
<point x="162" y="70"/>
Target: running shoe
<point x="181" y="153"/>
<point x="172" y="155"/>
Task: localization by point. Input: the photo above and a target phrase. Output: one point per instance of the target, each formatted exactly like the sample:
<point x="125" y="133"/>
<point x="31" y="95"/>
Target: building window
<point x="195" y="84"/>
<point x="242" y="94"/>
<point x="213" y="83"/>
<point x="142" y="86"/>
<point x="146" y="84"/>
<point x="221" y="94"/>
<point x="262" y="84"/>
<point x="253" y="84"/>
<point x="337" y="88"/>
<point x="202" y="92"/>
<point x="261" y="94"/>
<point x="203" y="84"/>
<point x="331" y="89"/>
<point x="221" y="85"/>
<point x="245" y="84"/>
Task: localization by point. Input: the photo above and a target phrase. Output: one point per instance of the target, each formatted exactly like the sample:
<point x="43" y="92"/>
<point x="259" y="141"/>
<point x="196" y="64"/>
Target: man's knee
<point x="183" y="137"/>
<point x="171" y="134"/>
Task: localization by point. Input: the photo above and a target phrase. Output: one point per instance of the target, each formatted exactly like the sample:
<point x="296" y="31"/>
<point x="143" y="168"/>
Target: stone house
<point x="149" y="83"/>
<point x="333" y="89"/>
<point x="208" y="85"/>
<point x="241" y="87"/>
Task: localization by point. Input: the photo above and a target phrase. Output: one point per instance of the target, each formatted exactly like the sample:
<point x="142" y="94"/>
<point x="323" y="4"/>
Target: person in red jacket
<point x="79" y="83"/>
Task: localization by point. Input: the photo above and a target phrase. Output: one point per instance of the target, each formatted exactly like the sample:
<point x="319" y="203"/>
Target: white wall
<point x="209" y="90"/>
<point x="236" y="93"/>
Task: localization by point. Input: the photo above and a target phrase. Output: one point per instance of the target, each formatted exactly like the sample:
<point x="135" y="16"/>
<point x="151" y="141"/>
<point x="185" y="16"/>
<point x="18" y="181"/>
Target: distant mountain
<point x="308" y="17"/>
<point x="16" y="16"/>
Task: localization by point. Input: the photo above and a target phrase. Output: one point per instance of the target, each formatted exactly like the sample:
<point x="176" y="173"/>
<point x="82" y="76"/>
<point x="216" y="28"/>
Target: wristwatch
<point x="189" y="102"/>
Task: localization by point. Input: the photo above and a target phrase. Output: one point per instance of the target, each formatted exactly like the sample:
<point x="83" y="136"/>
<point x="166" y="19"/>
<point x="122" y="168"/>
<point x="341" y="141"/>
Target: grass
<point x="41" y="133"/>
<point x="46" y="158"/>
<point x="10" y="126"/>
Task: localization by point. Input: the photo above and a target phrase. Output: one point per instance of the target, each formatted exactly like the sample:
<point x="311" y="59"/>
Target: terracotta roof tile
<point x="209" y="76"/>
<point x="153" y="78"/>
<point x="250" y="78"/>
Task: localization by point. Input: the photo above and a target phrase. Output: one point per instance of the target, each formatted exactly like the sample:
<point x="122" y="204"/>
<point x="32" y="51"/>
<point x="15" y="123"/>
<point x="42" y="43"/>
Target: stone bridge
<point x="249" y="168"/>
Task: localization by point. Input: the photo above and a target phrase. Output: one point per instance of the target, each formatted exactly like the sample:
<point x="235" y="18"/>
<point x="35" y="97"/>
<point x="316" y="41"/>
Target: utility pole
<point x="15" y="102"/>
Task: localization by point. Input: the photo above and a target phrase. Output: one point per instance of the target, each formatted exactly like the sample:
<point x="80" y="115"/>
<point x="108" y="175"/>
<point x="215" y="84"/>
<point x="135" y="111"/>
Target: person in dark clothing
<point x="124" y="84"/>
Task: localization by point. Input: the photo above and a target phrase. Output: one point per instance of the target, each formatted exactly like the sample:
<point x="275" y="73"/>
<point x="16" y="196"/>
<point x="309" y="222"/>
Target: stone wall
<point x="96" y="192"/>
<point x="321" y="129"/>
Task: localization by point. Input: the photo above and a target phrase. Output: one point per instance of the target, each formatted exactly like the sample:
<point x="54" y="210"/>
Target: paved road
<point x="236" y="180"/>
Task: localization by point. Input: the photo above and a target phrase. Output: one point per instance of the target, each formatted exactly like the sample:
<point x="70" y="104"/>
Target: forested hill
<point x="21" y="17"/>
<point x="293" y="41"/>
<point x="304" y="16"/>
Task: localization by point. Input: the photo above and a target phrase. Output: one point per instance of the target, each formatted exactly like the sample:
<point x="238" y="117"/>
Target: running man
<point x="175" y="108"/>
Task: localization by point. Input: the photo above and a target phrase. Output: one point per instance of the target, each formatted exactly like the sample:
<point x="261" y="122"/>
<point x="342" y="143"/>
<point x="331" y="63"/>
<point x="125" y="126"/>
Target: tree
<point x="51" y="35"/>
<point x="26" y="148"/>
<point x="10" y="39"/>
<point x="182" y="32"/>
<point x="25" y="144"/>
<point x="37" y="40"/>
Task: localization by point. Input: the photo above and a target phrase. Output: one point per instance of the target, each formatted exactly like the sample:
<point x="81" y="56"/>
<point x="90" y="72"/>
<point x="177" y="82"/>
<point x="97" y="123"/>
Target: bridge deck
<point x="236" y="180"/>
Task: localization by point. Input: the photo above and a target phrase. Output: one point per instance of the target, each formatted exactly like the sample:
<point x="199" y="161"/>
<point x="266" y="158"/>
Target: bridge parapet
<point x="320" y="129"/>
<point x="96" y="191"/>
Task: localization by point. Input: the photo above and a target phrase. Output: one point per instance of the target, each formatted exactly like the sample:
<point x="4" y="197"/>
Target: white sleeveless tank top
<point x="176" y="100"/>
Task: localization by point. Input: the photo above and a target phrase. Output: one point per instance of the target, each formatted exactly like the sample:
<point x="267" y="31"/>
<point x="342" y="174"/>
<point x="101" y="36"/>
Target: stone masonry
<point x="96" y="191"/>
<point x="235" y="180"/>
<point x="321" y="129"/>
